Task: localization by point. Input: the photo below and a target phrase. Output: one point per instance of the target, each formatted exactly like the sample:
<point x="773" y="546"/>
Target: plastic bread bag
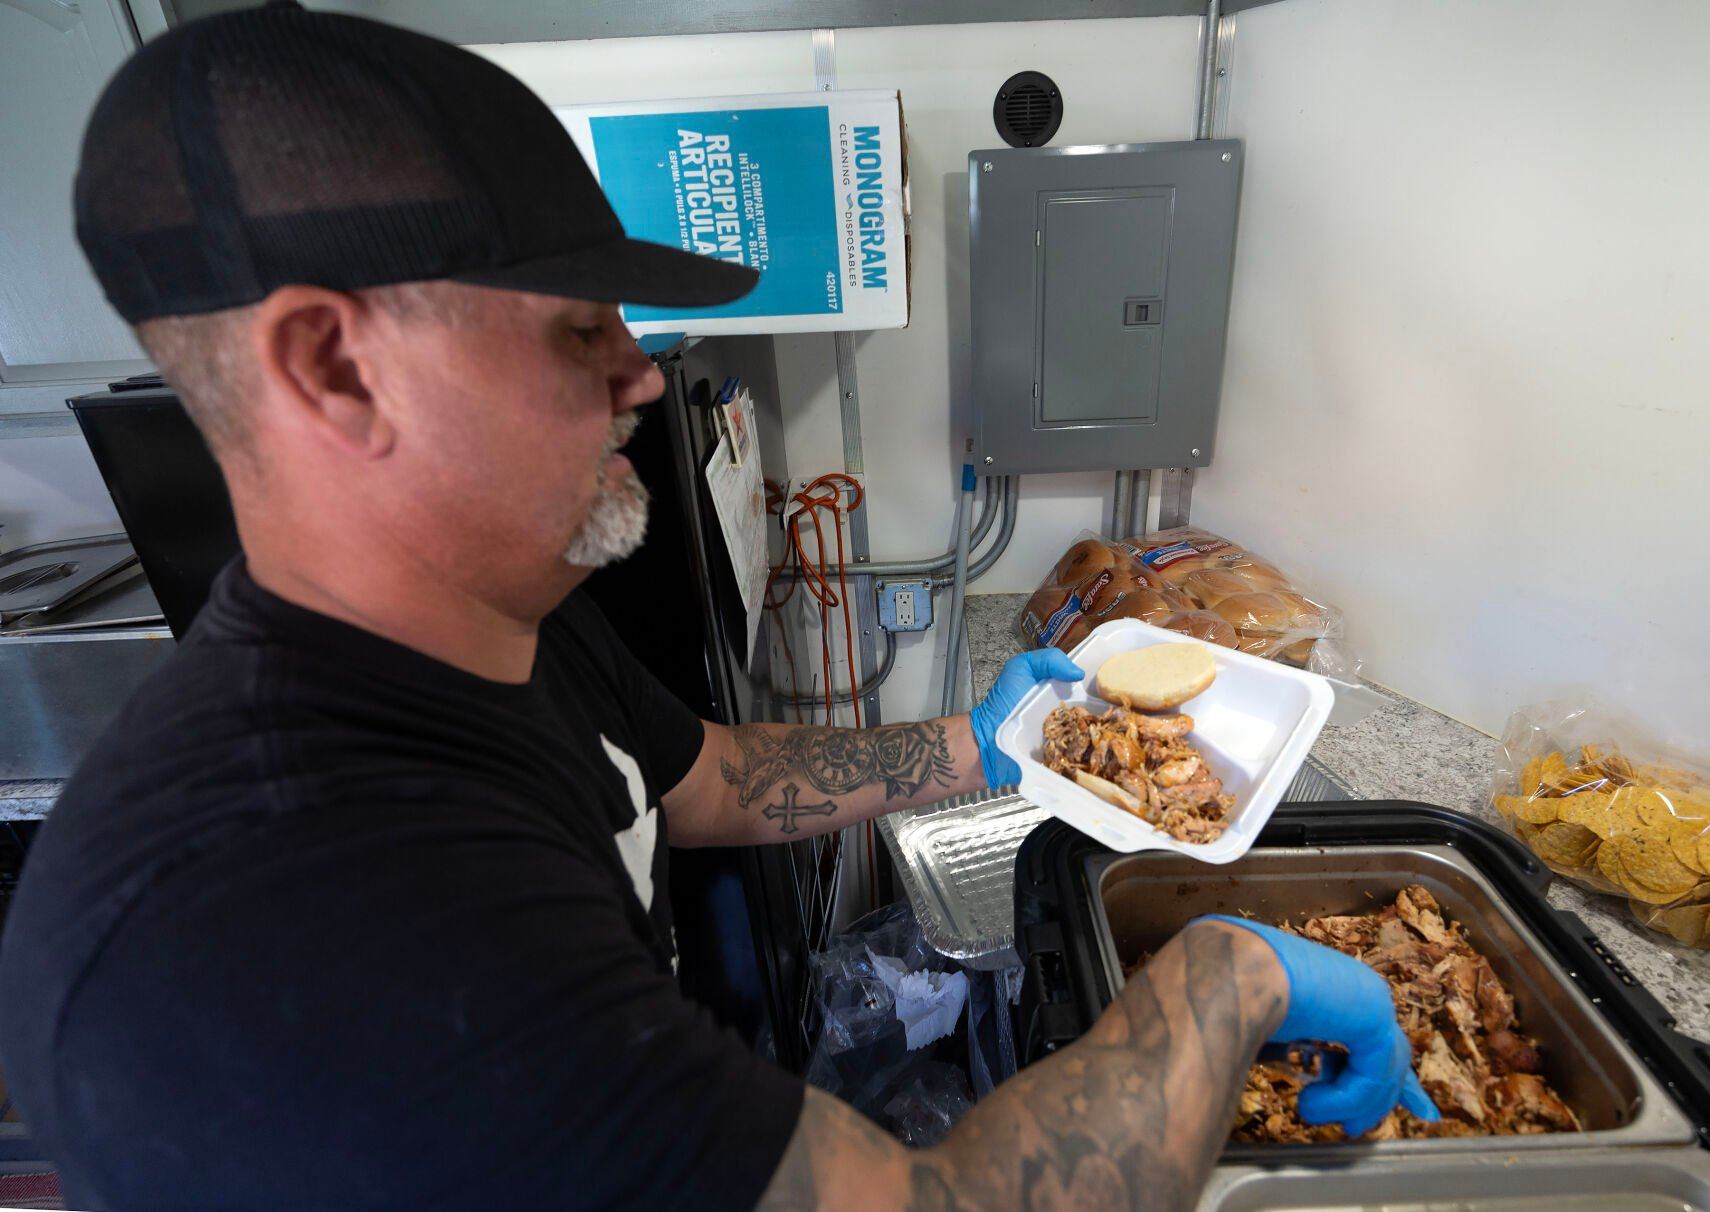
<point x="1603" y="806"/>
<point x="1096" y="581"/>
<point x="1271" y="616"/>
<point x="1190" y="581"/>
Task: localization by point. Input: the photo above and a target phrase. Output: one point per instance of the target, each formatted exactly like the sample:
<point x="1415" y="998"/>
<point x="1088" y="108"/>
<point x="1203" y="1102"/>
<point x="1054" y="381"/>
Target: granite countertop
<point x="1406" y="751"/>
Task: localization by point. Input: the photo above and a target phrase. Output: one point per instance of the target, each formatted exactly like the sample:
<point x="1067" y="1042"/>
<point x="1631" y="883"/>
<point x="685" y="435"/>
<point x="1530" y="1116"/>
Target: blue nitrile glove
<point x="1337" y="999"/>
<point x="1018" y="675"/>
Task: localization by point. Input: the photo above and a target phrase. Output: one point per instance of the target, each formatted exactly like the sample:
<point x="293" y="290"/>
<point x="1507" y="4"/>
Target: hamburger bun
<point x="1258" y="612"/>
<point x="1116" y="583"/>
<point x="1177" y="572"/>
<point x="1261" y="575"/>
<point x="1086" y="558"/>
<point x="1259" y="643"/>
<point x="1303" y="613"/>
<point x="1209" y="586"/>
<point x="1203" y="625"/>
<point x="1298" y="652"/>
<point x="1158" y="676"/>
<point x="1075" y="632"/>
<point x="1040" y="607"/>
<point x="1177" y="598"/>
<point x="1147" y="605"/>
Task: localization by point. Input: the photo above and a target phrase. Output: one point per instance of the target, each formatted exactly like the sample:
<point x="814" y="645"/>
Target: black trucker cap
<point x="246" y="151"/>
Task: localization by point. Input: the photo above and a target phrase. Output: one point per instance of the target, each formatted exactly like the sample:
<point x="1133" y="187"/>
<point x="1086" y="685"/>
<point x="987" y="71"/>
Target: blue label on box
<point x="753" y="187"/>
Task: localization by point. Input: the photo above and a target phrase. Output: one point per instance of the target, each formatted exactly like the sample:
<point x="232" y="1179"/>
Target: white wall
<point x="1468" y="384"/>
<point x="1122" y="80"/>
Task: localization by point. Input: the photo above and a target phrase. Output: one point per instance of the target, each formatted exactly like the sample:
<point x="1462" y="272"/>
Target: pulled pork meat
<point x="1149" y="757"/>
<point x="1468" y="1049"/>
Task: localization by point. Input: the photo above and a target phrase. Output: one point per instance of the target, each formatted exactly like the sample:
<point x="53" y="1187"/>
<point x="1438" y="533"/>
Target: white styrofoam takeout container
<point x="1253" y="727"/>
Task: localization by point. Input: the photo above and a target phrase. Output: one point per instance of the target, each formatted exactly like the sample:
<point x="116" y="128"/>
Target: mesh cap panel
<point x="269" y="146"/>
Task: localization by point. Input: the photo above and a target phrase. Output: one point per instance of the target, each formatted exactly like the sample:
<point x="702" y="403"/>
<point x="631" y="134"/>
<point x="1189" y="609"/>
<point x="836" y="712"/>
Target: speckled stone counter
<point x="1406" y="751"/>
<point x="27" y="801"/>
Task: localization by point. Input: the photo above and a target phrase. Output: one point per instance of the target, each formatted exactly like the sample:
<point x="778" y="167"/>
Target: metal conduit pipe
<point x="959" y="587"/>
<point x="1208" y="69"/>
<point x="1121" y="502"/>
<point x="978" y="568"/>
<point x="1005" y="532"/>
<point x="988" y="507"/>
<point x="926" y="567"/>
<point x="843" y="698"/>
<point x="1007" y="505"/>
<point x="1139" y="503"/>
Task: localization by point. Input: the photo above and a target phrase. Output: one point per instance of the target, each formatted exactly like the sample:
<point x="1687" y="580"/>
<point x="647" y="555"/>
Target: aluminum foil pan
<point x="956" y="862"/>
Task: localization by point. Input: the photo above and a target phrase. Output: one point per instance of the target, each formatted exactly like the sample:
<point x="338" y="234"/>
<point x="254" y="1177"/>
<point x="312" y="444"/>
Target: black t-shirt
<point x="322" y="921"/>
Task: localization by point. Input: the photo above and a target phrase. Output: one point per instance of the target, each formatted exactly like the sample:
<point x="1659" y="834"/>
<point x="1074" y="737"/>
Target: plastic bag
<point x="1192" y="581"/>
<point x="1096" y="581"/>
<point x="929" y="1104"/>
<point x="863" y="1052"/>
<point x="1603" y="806"/>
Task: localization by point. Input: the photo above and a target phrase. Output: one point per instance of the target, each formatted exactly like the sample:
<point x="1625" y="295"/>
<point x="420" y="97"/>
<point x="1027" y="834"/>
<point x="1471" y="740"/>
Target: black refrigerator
<point x="746" y="917"/>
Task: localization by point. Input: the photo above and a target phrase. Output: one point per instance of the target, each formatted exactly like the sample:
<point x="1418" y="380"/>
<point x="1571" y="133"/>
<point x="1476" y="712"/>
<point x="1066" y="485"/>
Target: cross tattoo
<point x="789" y="810"/>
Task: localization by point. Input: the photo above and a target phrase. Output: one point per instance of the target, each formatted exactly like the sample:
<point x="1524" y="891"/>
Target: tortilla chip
<point x="1566" y="845"/>
<point x="1617" y="767"/>
<point x="1673" y="778"/>
<point x="1532" y="777"/>
<point x="1588" y="808"/>
<point x="1532" y="811"/>
<point x="1653" y="807"/>
<point x="1684" y="838"/>
<point x="1624" y="811"/>
<point x="1685" y="923"/>
<point x="1555" y="777"/>
<point x="1648" y="862"/>
<point x="1609" y="865"/>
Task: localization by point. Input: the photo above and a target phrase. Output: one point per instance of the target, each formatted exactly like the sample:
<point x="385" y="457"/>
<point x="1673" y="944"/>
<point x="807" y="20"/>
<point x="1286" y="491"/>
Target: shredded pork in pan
<point x="1147" y="756"/>
<point x="1468" y="1049"/>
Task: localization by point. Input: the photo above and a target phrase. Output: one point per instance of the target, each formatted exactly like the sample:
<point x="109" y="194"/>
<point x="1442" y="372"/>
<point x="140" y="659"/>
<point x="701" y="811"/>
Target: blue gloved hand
<point x="1018" y="675"/>
<point x="1337" y="999"/>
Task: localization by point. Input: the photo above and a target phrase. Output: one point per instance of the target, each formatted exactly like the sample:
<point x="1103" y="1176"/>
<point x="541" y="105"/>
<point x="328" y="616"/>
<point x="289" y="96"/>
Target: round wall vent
<point x="1028" y="109"/>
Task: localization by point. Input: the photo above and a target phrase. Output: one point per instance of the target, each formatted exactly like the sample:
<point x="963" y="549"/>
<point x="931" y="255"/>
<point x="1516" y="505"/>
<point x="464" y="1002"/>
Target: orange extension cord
<point x="826" y="492"/>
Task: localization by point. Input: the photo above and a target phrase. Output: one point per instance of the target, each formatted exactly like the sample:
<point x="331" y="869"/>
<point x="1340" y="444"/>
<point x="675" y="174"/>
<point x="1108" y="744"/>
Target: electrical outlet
<point x="905" y="605"/>
<point x="905" y="609"/>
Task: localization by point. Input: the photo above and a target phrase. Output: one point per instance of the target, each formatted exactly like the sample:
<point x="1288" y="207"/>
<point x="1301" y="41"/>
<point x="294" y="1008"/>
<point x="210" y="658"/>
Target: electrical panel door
<point x="1100" y="296"/>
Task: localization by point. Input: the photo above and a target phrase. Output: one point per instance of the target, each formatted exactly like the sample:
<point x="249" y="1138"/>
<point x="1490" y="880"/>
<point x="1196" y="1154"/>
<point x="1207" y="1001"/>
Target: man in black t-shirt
<point x="361" y="900"/>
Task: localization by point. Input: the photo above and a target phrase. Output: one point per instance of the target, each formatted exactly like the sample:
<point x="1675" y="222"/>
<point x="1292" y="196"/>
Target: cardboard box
<point x="808" y="188"/>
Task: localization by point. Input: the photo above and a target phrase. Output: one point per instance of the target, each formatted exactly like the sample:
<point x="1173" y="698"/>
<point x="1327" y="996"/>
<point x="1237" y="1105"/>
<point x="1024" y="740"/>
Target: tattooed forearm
<point x="1132" y="1115"/>
<point x="792" y="772"/>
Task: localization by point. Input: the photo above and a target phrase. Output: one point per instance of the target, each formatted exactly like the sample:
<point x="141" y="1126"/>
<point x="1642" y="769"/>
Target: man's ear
<point x="308" y="343"/>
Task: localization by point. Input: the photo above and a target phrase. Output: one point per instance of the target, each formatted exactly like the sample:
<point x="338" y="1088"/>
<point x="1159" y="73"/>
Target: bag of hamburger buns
<point x="1270" y="615"/>
<point x="1187" y="580"/>
<point x="1096" y="581"/>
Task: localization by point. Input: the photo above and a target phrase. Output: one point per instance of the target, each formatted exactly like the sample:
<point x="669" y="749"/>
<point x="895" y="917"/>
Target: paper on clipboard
<point x="739" y="499"/>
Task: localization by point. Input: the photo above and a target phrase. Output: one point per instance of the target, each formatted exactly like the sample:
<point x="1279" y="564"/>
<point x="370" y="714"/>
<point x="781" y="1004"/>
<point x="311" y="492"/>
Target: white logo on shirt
<point x="636" y="844"/>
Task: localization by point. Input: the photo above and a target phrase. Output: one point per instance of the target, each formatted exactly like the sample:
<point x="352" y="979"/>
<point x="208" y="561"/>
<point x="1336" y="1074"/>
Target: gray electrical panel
<point x="1100" y="299"/>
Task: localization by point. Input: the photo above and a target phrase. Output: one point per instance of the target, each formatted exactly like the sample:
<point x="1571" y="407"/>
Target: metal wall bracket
<point x="1176" y="498"/>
